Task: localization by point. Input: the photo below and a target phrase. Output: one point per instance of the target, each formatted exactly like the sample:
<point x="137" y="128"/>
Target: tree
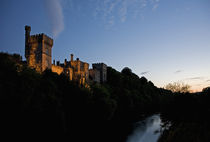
<point x="178" y="87"/>
<point x="206" y="90"/>
<point x="126" y="71"/>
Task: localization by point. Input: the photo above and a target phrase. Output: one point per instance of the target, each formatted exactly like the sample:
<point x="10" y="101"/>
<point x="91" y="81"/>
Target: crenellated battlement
<point x="41" y="37"/>
<point x="38" y="53"/>
<point x="38" y="49"/>
<point x="99" y="64"/>
<point x="103" y="71"/>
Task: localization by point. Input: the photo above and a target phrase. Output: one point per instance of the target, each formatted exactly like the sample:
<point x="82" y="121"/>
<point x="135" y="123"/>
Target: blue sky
<point x="164" y="40"/>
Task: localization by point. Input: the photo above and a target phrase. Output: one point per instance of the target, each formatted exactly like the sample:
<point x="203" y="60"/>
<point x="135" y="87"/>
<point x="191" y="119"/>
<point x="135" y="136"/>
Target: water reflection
<point x="146" y="130"/>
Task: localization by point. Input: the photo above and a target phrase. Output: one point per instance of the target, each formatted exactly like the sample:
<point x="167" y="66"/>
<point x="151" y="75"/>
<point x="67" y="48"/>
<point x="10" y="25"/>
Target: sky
<point x="164" y="40"/>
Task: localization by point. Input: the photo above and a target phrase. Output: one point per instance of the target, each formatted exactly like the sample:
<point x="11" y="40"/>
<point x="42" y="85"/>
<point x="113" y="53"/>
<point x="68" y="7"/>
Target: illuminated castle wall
<point x="38" y="53"/>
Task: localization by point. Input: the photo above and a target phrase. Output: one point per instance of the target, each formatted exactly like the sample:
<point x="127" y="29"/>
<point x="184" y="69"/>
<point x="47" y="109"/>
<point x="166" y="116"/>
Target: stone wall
<point x="38" y="53"/>
<point x="94" y="75"/>
<point x="57" y="69"/>
<point x="38" y="50"/>
<point x="81" y="70"/>
<point x="46" y="56"/>
<point x="69" y="72"/>
<point x="103" y="71"/>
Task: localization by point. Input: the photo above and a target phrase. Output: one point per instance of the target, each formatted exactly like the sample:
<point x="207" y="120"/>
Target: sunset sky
<point x="164" y="40"/>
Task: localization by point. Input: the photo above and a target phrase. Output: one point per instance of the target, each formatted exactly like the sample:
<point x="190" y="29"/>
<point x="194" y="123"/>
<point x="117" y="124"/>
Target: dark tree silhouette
<point x="51" y="105"/>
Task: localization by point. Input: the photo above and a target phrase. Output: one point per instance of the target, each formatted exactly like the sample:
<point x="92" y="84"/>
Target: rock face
<point x="38" y="53"/>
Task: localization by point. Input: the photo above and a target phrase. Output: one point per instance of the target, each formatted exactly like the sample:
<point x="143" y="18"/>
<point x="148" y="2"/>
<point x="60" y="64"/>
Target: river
<point x="147" y="130"/>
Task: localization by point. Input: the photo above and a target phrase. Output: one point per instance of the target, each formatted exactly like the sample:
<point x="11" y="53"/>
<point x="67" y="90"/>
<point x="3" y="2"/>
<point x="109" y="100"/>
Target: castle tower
<point x="27" y="37"/>
<point x="102" y="68"/>
<point x="38" y="50"/>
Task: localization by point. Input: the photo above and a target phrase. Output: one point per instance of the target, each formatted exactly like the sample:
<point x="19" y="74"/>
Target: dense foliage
<point x="51" y="105"/>
<point x="188" y="116"/>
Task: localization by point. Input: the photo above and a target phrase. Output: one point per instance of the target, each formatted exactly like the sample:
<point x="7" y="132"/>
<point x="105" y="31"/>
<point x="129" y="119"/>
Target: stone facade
<point x="74" y="69"/>
<point x="38" y="49"/>
<point x="38" y="53"/>
<point x="94" y="75"/>
<point x="57" y="69"/>
<point x="102" y="68"/>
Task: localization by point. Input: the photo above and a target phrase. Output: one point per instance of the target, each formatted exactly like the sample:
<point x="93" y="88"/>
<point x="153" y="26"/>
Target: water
<point x="147" y="130"/>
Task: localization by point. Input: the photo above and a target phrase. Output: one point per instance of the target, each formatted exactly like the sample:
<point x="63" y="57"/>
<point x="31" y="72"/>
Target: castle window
<point x="47" y="51"/>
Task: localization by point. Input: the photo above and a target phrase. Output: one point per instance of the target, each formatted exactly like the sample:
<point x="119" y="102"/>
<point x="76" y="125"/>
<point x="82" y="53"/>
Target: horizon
<point x="164" y="41"/>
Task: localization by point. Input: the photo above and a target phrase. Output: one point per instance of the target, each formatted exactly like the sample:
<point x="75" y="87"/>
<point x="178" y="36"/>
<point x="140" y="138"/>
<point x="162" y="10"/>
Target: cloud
<point x="155" y="6"/>
<point x="196" y="78"/>
<point x="111" y="21"/>
<point x="55" y="13"/>
<point x="198" y="84"/>
<point x="178" y="71"/>
<point x="123" y="11"/>
<point x="112" y="10"/>
<point x="143" y="73"/>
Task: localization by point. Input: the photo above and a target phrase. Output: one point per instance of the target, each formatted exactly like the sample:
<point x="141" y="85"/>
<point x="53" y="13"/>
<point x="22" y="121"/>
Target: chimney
<point x="72" y="57"/>
<point x="77" y="59"/>
<point x="65" y="62"/>
<point x="53" y="62"/>
<point x="58" y="63"/>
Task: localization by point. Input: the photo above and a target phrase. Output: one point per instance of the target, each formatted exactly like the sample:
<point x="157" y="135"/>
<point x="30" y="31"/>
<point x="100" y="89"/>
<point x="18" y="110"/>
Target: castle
<point x="38" y="54"/>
